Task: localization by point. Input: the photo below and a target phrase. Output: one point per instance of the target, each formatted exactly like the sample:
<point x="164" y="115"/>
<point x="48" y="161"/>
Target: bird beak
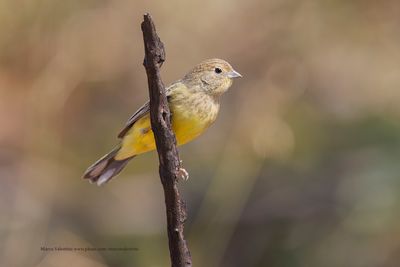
<point x="234" y="74"/>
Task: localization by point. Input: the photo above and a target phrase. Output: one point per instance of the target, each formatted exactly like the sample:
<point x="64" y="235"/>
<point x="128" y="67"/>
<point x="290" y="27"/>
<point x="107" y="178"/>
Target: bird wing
<point x="142" y="111"/>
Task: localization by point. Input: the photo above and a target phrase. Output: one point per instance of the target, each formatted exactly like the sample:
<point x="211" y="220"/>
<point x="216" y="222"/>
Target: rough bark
<point x="166" y="145"/>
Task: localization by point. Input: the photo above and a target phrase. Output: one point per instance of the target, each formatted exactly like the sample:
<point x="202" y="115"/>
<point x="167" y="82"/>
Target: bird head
<point x="213" y="76"/>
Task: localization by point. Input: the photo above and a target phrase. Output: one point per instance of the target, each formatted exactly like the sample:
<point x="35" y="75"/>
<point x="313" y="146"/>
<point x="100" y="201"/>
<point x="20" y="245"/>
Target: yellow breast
<point x="191" y="116"/>
<point x="191" y="119"/>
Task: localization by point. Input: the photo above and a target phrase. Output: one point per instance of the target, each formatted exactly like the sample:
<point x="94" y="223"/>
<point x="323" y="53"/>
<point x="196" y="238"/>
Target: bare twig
<point x="166" y="145"/>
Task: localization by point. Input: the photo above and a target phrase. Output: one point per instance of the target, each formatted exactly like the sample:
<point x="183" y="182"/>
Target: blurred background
<point x="300" y="169"/>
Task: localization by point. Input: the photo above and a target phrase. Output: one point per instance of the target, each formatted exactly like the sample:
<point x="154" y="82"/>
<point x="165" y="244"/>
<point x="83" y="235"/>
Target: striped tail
<point x="105" y="168"/>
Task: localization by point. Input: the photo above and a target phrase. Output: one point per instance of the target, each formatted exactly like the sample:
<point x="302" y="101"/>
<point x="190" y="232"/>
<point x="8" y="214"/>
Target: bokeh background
<point x="301" y="168"/>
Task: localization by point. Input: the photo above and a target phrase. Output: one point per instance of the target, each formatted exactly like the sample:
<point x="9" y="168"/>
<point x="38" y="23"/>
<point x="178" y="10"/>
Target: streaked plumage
<point x="194" y="104"/>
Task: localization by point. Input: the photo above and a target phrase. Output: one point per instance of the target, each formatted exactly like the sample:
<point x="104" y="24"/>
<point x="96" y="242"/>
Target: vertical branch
<point x="166" y="145"/>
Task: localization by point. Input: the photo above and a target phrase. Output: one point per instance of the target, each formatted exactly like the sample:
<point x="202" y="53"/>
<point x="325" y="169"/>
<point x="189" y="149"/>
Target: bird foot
<point x="183" y="174"/>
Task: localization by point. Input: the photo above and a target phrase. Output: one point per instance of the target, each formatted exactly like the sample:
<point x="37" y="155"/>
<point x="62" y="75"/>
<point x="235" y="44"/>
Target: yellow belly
<point x="140" y="138"/>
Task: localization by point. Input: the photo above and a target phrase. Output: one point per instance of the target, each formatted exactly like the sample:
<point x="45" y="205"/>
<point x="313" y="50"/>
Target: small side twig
<point x="166" y="145"/>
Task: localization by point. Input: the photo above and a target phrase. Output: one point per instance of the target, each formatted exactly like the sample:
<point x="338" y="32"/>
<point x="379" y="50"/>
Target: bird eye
<point x="218" y="70"/>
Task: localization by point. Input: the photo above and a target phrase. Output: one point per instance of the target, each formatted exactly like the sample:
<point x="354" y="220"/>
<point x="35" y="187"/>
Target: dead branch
<point x="166" y="145"/>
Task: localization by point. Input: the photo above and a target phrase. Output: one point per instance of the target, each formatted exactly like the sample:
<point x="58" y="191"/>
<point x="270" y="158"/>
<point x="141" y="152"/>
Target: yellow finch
<point x="194" y="104"/>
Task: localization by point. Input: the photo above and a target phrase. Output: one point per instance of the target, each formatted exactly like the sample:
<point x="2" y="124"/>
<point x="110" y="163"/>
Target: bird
<point x="194" y="102"/>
